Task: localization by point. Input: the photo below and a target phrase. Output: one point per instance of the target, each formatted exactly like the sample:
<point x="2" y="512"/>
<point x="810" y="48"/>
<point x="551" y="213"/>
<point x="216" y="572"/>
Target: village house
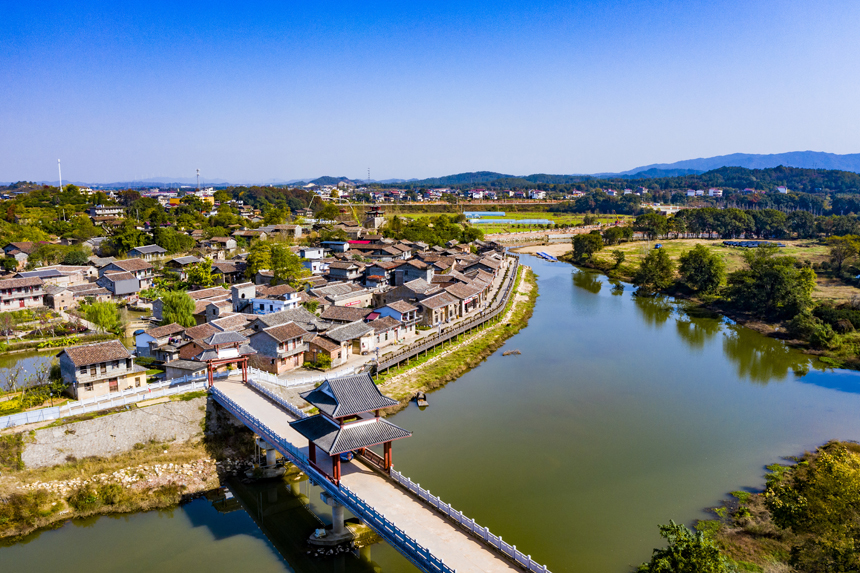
<point x="345" y="271"/>
<point x="148" y="252"/>
<point x="345" y="314"/>
<point x="387" y="331"/>
<point x="122" y="285"/>
<point x="355" y="338"/>
<point x="343" y="294"/>
<point x="403" y="312"/>
<point x="438" y="309"/>
<point x="97" y="369"/>
<point x="228" y="272"/>
<point x="139" y="268"/>
<point x="279" y="348"/>
<point x="181" y="265"/>
<point x="469" y="296"/>
<point x="20" y="251"/>
<point x="59" y="297"/>
<point x="16" y="294"/>
<point x="149" y="340"/>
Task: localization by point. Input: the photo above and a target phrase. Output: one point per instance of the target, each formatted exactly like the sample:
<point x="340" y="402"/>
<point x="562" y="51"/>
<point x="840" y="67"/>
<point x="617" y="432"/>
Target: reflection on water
<point x="589" y="281"/>
<point x="761" y="359"/>
<point x="28" y="362"/>
<point x="655" y="309"/>
<point x="696" y="330"/>
<point x="617" y="289"/>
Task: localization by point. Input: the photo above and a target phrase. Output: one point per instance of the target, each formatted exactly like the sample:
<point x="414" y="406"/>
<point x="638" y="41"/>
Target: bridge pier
<point x="339" y="532"/>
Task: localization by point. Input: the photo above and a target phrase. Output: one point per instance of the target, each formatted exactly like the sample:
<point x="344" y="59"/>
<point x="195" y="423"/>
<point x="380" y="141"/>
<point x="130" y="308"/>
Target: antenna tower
<point x="368" y="175"/>
<point x="198" y="180"/>
<point x="60" y="170"/>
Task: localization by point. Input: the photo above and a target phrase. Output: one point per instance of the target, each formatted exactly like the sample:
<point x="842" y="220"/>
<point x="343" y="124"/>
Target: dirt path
<point x="402" y="383"/>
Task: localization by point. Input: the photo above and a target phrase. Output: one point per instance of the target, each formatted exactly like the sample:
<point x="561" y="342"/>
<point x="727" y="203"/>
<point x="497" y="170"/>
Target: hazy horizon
<point x="279" y="92"/>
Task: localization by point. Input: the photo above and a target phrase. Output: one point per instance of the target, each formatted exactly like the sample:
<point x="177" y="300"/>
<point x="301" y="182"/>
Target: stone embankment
<point x="114" y="434"/>
<point x="193" y="477"/>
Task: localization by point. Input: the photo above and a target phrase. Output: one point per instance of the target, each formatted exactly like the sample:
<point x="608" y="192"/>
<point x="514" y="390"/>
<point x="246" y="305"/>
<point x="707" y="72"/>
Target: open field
<point x="804" y="250"/>
<point x="566" y="219"/>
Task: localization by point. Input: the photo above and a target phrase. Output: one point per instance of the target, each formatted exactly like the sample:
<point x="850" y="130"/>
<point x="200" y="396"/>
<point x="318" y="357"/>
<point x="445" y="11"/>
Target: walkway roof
<point x="334" y="439"/>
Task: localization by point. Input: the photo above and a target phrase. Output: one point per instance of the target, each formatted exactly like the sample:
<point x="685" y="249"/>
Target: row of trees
<point x="432" y="230"/>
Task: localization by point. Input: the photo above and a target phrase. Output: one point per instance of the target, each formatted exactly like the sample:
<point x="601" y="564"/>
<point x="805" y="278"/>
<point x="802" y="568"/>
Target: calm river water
<point x="621" y="413"/>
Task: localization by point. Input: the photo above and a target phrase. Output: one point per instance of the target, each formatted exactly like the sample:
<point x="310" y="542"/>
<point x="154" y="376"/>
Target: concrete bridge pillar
<point x="337" y="518"/>
<point x="270" y="457"/>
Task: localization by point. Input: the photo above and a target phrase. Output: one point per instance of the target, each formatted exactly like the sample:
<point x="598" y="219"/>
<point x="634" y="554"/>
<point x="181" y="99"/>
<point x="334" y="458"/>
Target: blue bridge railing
<point x="419" y="555"/>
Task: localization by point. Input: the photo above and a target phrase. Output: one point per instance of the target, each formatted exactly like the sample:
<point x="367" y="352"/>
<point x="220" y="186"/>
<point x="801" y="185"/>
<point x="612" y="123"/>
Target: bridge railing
<point x="470" y="525"/>
<point x="419" y="555"/>
<point x="264" y="376"/>
<point x="283" y="403"/>
<point x="112" y="400"/>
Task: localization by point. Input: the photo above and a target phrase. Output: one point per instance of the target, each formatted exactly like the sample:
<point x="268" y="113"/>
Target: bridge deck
<point x="455" y="547"/>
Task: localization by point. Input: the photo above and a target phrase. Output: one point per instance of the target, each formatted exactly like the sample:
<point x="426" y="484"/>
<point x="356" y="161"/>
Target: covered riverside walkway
<point x="456" y="548"/>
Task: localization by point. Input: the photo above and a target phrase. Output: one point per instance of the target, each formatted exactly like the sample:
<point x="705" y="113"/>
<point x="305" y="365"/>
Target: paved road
<point x="455" y="547"/>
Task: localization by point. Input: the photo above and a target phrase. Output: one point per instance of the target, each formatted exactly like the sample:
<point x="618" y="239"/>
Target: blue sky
<point x="283" y="90"/>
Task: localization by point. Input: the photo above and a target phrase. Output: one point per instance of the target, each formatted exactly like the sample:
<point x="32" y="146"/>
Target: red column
<point x="387" y="451"/>
<point x="312" y="451"/>
<point x="335" y="467"/>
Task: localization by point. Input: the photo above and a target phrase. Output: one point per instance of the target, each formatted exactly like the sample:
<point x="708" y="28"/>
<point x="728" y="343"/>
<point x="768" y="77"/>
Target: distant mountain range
<point x="803" y="159"/>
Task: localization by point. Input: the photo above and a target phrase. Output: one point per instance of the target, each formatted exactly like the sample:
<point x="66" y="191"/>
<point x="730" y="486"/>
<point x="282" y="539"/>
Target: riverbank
<point x="838" y="356"/>
<point x="438" y="368"/>
<point x="803" y="519"/>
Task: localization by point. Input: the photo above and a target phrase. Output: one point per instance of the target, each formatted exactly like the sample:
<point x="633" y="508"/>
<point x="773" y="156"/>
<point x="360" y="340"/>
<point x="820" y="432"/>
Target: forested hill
<point x="727" y="178"/>
<point x="803" y="159"/>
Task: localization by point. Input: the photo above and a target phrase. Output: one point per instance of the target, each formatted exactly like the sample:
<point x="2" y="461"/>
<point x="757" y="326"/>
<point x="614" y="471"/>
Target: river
<point x="621" y="413"/>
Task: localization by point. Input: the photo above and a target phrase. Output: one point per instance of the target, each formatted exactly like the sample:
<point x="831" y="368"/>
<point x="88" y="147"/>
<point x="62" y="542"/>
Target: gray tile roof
<point x="345" y="313"/>
<point x="227" y="337"/>
<point x="149" y="249"/>
<point x="349" y="331"/>
<point x="438" y="301"/>
<point x="188" y="260"/>
<point x="348" y="396"/>
<point x="334" y="439"/>
<point x="401" y="306"/>
<point x="300" y="316"/>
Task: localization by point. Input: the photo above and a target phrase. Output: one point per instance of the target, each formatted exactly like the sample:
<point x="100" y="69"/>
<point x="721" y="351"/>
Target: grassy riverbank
<point x="449" y="363"/>
<point x="806" y="519"/>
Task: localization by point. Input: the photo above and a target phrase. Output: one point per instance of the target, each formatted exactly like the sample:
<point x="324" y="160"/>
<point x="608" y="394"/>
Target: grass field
<point x="566" y="219"/>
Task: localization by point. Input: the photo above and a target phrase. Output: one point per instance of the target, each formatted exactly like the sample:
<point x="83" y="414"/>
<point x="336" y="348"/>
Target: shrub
<point x="111" y="493"/>
<point x="824" y="337"/>
<point x="85" y="499"/>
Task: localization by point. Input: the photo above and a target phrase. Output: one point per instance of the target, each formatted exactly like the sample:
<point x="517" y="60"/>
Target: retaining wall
<point x="116" y="433"/>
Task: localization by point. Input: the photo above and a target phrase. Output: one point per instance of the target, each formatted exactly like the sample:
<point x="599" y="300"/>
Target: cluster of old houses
<point x="359" y="307"/>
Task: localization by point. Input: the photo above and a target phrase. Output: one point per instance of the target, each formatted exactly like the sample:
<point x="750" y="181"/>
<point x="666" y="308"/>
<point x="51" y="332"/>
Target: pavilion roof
<point x="335" y="439"/>
<point x="347" y="396"/>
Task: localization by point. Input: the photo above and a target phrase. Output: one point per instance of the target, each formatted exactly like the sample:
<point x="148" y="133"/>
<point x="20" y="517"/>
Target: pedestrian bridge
<point x="435" y="537"/>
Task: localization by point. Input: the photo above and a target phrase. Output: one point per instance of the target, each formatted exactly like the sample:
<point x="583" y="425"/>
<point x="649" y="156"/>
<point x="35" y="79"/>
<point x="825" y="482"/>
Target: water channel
<point x="621" y="413"/>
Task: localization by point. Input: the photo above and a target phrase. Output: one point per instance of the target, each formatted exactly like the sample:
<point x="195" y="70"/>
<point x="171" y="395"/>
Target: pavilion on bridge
<point x="225" y="348"/>
<point x="349" y="421"/>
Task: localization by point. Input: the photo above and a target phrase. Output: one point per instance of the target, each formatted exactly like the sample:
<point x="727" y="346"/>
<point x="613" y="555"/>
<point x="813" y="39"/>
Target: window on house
<point x="87" y="386"/>
<point x="83" y="369"/>
<point x="128" y="362"/>
<point x="92" y="370"/>
<point x="113" y="384"/>
<point x="137" y="381"/>
<point x="104" y="367"/>
<point x="273" y="360"/>
<point x="338" y="353"/>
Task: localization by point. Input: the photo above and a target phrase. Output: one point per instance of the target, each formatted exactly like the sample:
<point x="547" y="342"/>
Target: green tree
<point x="105" y="315"/>
<point x="172" y="240"/>
<point x="76" y="256"/>
<point x="585" y="245"/>
<point x="177" y="307"/>
<point x="651" y="224"/>
<point x="222" y="196"/>
<point x="843" y="249"/>
<point x="656" y="272"/>
<point x="328" y="212"/>
<point x="619" y="257"/>
<point x="819" y="501"/>
<point x="259" y="259"/>
<point x="200" y="274"/>
<point x="702" y="270"/>
<point x="771" y="286"/>
<point x="286" y="266"/>
<point x="687" y="552"/>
